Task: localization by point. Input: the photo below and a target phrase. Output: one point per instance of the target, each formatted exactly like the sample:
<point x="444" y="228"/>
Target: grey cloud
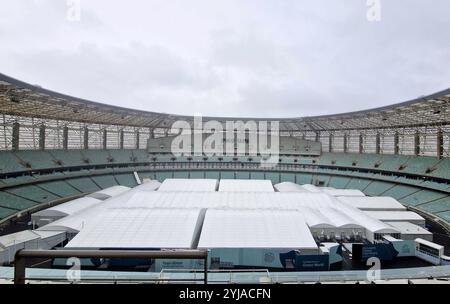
<point x="233" y="58"/>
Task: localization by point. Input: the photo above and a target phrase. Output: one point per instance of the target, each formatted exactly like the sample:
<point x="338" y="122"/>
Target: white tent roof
<point x="179" y="184"/>
<point x="319" y="209"/>
<point x="255" y="229"/>
<point x="409" y="228"/>
<point x="393" y="216"/>
<point x="149" y="185"/>
<point x="289" y="187"/>
<point x="339" y="219"/>
<point x="245" y="185"/>
<point x="343" y="192"/>
<point x="311" y="188"/>
<point x="372" y="203"/>
<point x="132" y="208"/>
<point x="70" y="207"/>
<point x="109" y="192"/>
<point x="139" y="228"/>
<point x="292" y="187"/>
<point x="370" y="223"/>
<point x="76" y="221"/>
<point x="17" y="238"/>
<point x="316" y="219"/>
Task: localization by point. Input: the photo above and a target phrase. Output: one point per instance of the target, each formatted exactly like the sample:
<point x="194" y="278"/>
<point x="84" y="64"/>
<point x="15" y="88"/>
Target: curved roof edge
<point x="38" y="89"/>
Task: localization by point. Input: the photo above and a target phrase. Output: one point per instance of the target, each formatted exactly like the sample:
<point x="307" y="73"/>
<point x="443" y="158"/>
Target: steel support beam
<point x="330" y="142"/>
<point x="345" y="142"/>
<point x="416" y="143"/>
<point x="105" y="139"/>
<point x="378" y="143"/>
<point x="440" y="144"/>
<point x="121" y="139"/>
<point x="86" y="138"/>
<point x="361" y="143"/>
<point x="137" y="134"/>
<point x="65" y="138"/>
<point x="42" y="137"/>
<point x="15" y="136"/>
<point x="396" y="143"/>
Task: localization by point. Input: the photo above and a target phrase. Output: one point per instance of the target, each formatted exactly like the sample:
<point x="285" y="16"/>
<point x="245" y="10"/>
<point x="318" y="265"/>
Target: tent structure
<point x="180" y="184"/>
<point x="245" y="185"/>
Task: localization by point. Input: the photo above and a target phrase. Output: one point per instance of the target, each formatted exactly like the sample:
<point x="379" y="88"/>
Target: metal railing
<point x="24" y="254"/>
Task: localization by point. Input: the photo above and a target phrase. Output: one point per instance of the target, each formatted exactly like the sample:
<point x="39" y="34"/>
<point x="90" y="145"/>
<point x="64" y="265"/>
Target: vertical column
<point x="345" y="142"/>
<point x="105" y="139"/>
<point x="15" y="136"/>
<point x="378" y="143"/>
<point x="152" y="133"/>
<point x="86" y="138"/>
<point x="440" y="144"/>
<point x="138" y="138"/>
<point x="330" y="142"/>
<point x="121" y="139"/>
<point x="416" y="143"/>
<point x="65" y="142"/>
<point x="361" y="142"/>
<point x="396" y="143"/>
<point x="317" y="136"/>
<point x="42" y="137"/>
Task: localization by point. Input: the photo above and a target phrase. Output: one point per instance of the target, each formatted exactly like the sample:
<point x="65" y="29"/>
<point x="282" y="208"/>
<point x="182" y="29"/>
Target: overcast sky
<point x="233" y="57"/>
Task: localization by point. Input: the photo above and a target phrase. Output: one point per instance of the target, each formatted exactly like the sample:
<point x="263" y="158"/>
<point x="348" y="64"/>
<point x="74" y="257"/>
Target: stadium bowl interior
<point x="56" y="148"/>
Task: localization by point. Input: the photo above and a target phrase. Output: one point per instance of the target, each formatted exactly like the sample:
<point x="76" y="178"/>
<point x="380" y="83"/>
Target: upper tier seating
<point x="121" y="156"/>
<point x="69" y="158"/>
<point x="37" y="159"/>
<point x="10" y="163"/>
<point x="33" y="177"/>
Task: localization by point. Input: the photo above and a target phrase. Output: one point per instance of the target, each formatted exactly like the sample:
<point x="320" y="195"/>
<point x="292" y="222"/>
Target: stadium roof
<point x="23" y="99"/>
